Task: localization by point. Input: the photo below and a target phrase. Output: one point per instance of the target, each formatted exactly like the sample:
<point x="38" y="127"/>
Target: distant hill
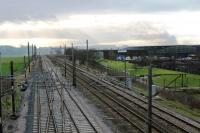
<point x="13" y="51"/>
<point x="21" y="51"/>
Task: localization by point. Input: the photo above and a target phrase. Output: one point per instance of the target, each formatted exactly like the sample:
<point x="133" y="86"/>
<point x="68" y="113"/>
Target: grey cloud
<point x="132" y="31"/>
<point x="12" y="10"/>
<point x="45" y="33"/>
<point x="147" y="31"/>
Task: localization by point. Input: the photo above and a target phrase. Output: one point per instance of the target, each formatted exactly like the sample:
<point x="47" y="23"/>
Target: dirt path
<point x="19" y="125"/>
<point x="21" y="121"/>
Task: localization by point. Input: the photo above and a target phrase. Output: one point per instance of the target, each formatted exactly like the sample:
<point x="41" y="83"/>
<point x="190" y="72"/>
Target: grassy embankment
<point x="192" y="81"/>
<point x="18" y="70"/>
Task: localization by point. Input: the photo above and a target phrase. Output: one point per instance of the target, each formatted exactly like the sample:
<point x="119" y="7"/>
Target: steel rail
<point x="58" y="80"/>
<point x="142" y="100"/>
<point x="67" y="109"/>
<point x="38" y="109"/>
<point x="156" y="126"/>
<point x="126" y="118"/>
<point x="51" y="113"/>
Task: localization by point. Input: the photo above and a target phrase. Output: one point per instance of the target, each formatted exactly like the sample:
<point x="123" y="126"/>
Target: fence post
<point x="73" y="67"/>
<point x="29" y="69"/>
<point x="149" y="130"/>
<point x="25" y="66"/>
<point x="65" y="61"/>
<point x="32" y="53"/>
<point x="182" y="80"/>
<point x="87" y="54"/>
<point x="13" y="116"/>
<point x="1" y="125"/>
<point x="125" y="78"/>
<point x="199" y="82"/>
<point x="175" y="85"/>
<point x="164" y="83"/>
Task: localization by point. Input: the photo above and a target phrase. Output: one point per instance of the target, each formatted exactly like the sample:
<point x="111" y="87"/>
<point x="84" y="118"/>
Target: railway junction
<point x="64" y="97"/>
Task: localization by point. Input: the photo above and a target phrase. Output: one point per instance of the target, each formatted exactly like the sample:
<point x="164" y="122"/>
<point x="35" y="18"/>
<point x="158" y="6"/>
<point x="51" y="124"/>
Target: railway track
<point x="167" y="120"/>
<point x="55" y="110"/>
<point x="130" y="116"/>
<point x="46" y="116"/>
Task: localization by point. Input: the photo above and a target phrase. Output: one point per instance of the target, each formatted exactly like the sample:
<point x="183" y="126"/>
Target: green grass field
<point x="18" y="69"/>
<point x="193" y="81"/>
<point x="182" y="109"/>
<point x="190" y="80"/>
<point x="18" y="65"/>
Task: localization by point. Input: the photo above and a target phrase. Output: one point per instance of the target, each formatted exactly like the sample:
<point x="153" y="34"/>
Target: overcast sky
<point x="116" y="22"/>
